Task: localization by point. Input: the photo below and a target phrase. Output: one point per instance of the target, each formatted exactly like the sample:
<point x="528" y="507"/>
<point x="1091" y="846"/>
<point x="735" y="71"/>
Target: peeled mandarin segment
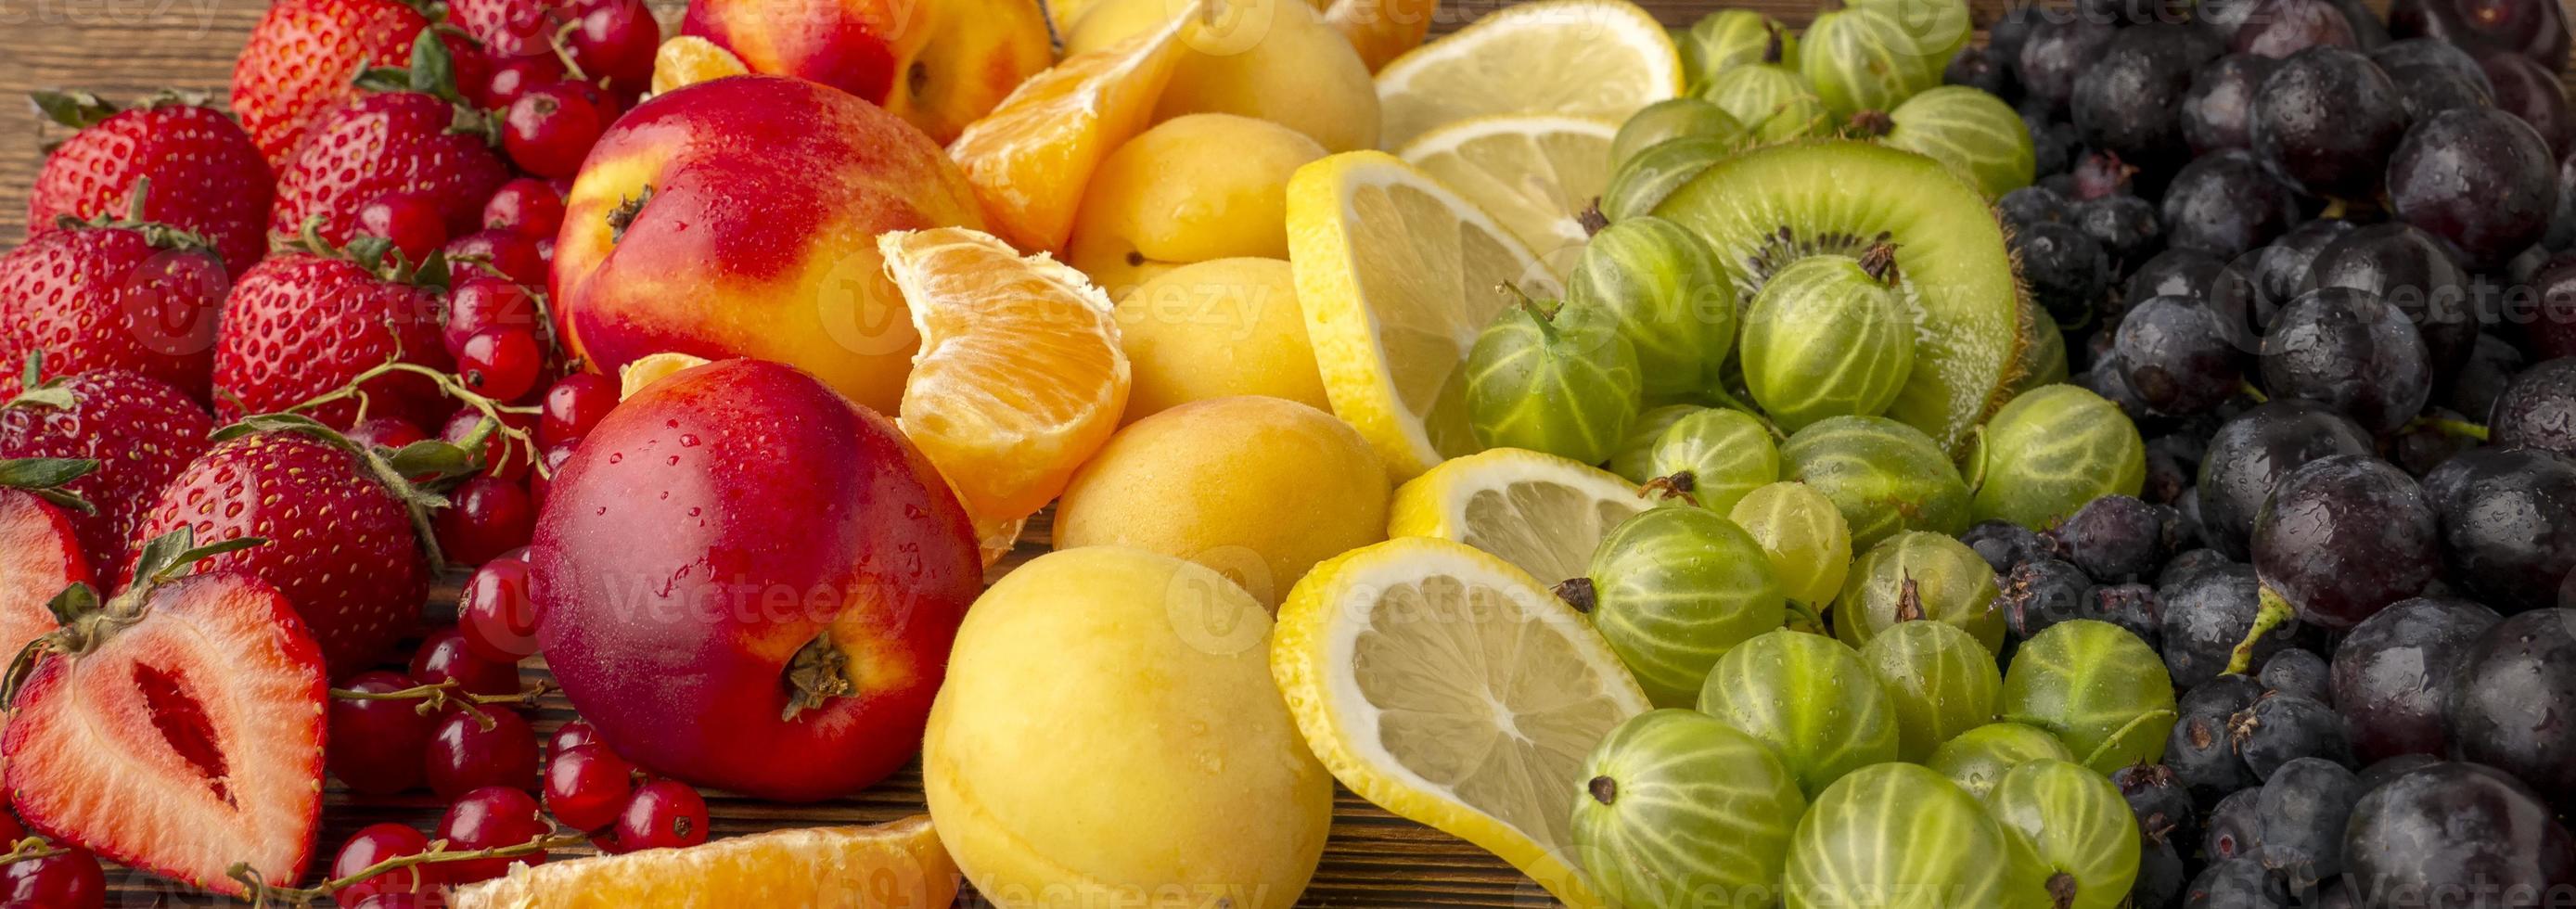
<point x="1031" y="157"/>
<point x="1019" y="378"/>
<point x="894" y="865"/>
<point x="1396" y="274"/>
<point x="1534" y="173"/>
<point x="1381" y="30"/>
<point x="689" y="60"/>
<point x="651" y="368"/>
<point x="1451" y="688"/>
<point x="1585" y="58"/>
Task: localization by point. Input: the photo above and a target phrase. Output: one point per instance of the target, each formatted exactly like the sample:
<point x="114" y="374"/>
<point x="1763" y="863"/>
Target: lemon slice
<point x="1542" y="513"/>
<point x="1449" y="687"/>
<point x="1534" y="172"/>
<point x="1585" y="58"/>
<point x="1396" y="274"/>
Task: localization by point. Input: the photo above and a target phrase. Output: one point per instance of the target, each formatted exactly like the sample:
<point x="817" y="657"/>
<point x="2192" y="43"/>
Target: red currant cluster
<point x="39" y="873"/>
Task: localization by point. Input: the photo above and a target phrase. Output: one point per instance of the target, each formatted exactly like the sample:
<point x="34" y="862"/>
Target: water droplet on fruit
<point x="688" y="440"/>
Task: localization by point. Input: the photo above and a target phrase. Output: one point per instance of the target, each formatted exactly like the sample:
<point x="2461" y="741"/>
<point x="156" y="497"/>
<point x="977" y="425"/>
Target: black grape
<point x="2343" y="537"/>
<point x="2393" y="671"/>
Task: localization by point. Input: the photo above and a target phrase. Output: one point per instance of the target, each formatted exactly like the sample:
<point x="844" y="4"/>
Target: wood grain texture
<point x="127" y="48"/>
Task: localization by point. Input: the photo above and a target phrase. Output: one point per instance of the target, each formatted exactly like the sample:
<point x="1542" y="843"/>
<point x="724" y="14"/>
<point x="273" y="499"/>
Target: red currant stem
<point x="447" y="693"/>
<point x="572" y="67"/>
<point x="449" y="386"/>
<point x="262" y="893"/>
<point x="2458" y="429"/>
<point x="30" y="849"/>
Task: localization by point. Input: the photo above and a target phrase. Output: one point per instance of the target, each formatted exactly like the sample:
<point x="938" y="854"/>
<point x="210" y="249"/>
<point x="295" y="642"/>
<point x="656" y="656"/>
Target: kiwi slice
<point x="1766" y="208"/>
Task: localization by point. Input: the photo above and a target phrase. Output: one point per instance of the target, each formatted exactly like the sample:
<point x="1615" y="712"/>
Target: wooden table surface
<point x="124" y="49"/>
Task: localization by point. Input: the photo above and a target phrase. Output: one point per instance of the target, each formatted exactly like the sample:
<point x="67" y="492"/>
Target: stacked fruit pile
<point x="2128" y="460"/>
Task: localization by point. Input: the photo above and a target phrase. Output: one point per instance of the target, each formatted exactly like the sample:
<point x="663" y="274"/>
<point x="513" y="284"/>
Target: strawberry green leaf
<point x="433" y="69"/>
<point x="78" y="110"/>
<point x="74" y="601"/>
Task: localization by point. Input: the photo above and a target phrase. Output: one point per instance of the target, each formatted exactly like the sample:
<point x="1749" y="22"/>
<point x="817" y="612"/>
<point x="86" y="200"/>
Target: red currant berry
<point x="572" y="734"/>
<point x="375" y="843"/>
<point x="616" y="39"/>
<point x="443" y="655"/>
<point x="473" y="66"/>
<point x="376" y="744"/>
<point x="539" y="482"/>
<point x="526" y="206"/>
<point x="488" y="818"/>
<point x="485" y="301"/>
<point x="410" y="221"/>
<point x="663" y="814"/>
<point x="513" y="256"/>
<point x="10" y="830"/>
<point x="391" y="433"/>
<point x="501" y="362"/>
<point x="587" y="787"/>
<point x="573" y="406"/>
<point x="504" y="457"/>
<point x="463" y="756"/>
<point x="549" y="130"/>
<point x="484" y="518"/>
<point x="71" y="880"/>
<point x="496" y="613"/>
<point x="513" y="78"/>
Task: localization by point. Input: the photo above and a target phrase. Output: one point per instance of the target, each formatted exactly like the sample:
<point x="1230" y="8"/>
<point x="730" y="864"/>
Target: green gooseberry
<point x="1772" y="101"/>
<point x="1714" y="458"/>
<point x="1827" y="337"/>
<point x="1808" y="696"/>
<point x="1731" y="37"/>
<point x="2040" y="349"/>
<point x="1678" y="809"/>
<point x="1976" y="134"/>
<point x="1675" y="305"/>
<point x="2097" y="687"/>
<point x="1671" y="118"/>
<point x="1673" y="590"/>
<point x="2051" y="450"/>
<point x="1861" y="58"/>
<point x="1900" y="835"/>
<point x="1809" y="544"/>
<point x="1978" y="758"/>
<point x="1635" y="457"/>
<point x="2074" y="827"/>
<point x="1940" y="678"/>
<point x="1919" y="575"/>
<point x="1883" y="475"/>
<point x="1641" y="183"/>
<point x="1939" y="28"/>
<point x="1557" y="379"/>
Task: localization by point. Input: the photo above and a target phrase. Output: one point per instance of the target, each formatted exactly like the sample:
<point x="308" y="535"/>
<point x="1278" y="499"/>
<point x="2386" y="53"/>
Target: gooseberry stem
<point x="2458" y="429"/>
<point x="1545" y="317"/>
<point x="2273" y="612"/>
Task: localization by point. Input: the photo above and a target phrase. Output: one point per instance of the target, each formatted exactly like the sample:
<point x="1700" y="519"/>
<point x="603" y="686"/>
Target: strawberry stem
<point x="262" y="893"/>
<point x="450" y="693"/>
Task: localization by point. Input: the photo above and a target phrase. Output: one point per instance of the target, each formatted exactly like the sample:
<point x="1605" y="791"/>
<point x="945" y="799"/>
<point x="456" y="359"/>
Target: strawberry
<point x="422" y="141"/>
<point x="39" y="552"/>
<point x="205" y="174"/>
<point x="343" y="539"/>
<point x="302" y="324"/>
<point x="176" y="728"/>
<point x="125" y="295"/>
<point x="299" y="59"/>
<point x="141" y="431"/>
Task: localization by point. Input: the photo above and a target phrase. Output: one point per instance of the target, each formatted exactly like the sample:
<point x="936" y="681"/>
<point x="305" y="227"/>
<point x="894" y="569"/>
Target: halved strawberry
<point x="40" y="553"/>
<point x="177" y="728"/>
